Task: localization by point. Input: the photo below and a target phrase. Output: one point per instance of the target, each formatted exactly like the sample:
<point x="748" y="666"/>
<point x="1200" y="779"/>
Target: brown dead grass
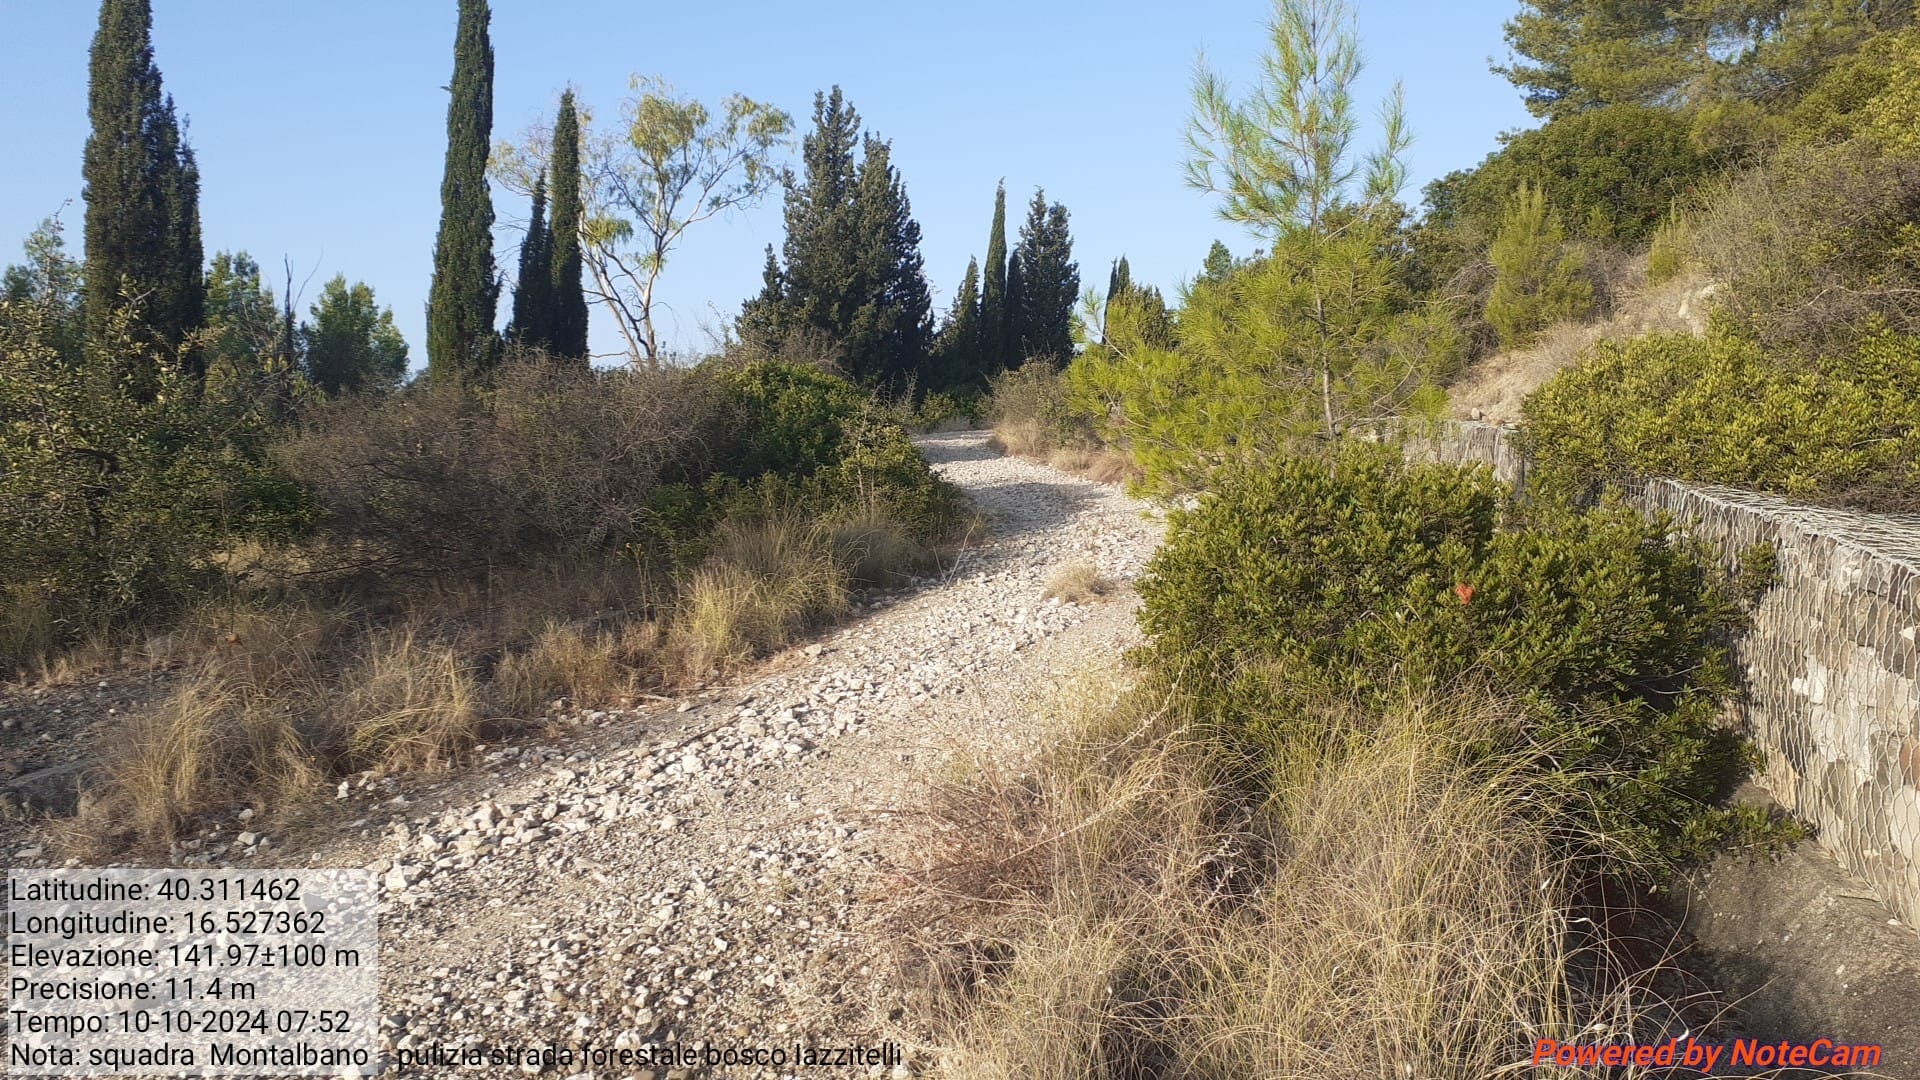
<point x="1077" y="583"/>
<point x="1495" y="387"/>
<point x="1123" y="908"/>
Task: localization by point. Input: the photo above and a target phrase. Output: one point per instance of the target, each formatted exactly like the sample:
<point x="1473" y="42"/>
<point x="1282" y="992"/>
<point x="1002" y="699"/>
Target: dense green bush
<point x="814" y="443"/>
<point x="1618" y="168"/>
<point x="1362" y="578"/>
<point x="1723" y="410"/>
<point x="115" y="505"/>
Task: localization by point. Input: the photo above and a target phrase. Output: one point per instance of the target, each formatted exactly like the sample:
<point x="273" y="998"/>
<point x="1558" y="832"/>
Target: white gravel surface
<point x="700" y="872"/>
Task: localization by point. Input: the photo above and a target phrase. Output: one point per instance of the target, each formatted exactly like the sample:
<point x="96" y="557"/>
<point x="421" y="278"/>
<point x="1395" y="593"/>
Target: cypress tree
<point x="890" y="330"/>
<point x="567" y="330"/>
<point x="993" y="356"/>
<point x="532" y="324"/>
<point x="142" y="191"/>
<point x="1119" y="279"/>
<point x="1011" y="352"/>
<point x="959" y="343"/>
<point x="460" y="308"/>
<point x="1049" y="280"/>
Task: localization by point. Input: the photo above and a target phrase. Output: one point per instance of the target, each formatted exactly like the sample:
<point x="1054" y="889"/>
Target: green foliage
<point x="530" y="326"/>
<point x="1669" y="254"/>
<point x="1049" y="284"/>
<point x="1289" y="348"/>
<point x="1579" y="55"/>
<point x="814" y="442"/>
<point x="853" y="272"/>
<point x="114" y="505"/>
<point x="143" y="201"/>
<point x="1618" y="169"/>
<point x="1359" y="577"/>
<point x="957" y="348"/>
<point x="461" y="342"/>
<point x="567" y="329"/>
<point x="1722" y="410"/>
<point x="352" y="345"/>
<point x="1539" y="279"/>
<point x="997" y="352"/>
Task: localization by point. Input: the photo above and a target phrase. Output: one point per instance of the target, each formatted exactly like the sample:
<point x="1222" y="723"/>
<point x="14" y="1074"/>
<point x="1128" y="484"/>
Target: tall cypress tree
<point x="853" y="270"/>
<point x="142" y="191"/>
<point x="1049" y="280"/>
<point x="460" y="308"/>
<point x="1119" y="279"/>
<point x="1011" y="353"/>
<point x="994" y="355"/>
<point x="891" y="330"/>
<point x="957" y="349"/>
<point x="533" y="311"/>
<point x="567" y="332"/>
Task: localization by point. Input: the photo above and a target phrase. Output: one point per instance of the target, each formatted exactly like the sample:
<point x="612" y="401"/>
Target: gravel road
<point x="701" y="872"/>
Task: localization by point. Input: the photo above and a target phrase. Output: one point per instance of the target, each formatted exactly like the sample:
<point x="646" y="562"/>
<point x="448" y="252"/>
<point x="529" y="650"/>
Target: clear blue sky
<point x="320" y="127"/>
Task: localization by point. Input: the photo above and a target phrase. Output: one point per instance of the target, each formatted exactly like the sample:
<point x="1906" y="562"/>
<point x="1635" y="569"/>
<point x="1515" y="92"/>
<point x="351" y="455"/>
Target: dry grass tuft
<point x="1127" y="910"/>
<point x="410" y="705"/>
<point x="1497" y="385"/>
<point x="1077" y="583"/>
<point x="586" y="666"/>
<point x="763" y="584"/>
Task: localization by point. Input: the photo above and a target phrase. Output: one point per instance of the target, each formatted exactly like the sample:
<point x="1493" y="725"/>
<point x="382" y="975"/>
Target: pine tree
<point x="1050" y="282"/>
<point x="142" y="229"/>
<point x="533" y="309"/>
<point x="460" y="308"/>
<point x="994" y="354"/>
<point x="1219" y="264"/>
<point x="957" y="349"/>
<point x="567" y="328"/>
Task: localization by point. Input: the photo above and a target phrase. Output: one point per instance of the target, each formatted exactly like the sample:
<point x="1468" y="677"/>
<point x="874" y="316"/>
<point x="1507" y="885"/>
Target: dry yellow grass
<point x="588" y="667"/>
<point x="1077" y="583"/>
<point x="764" y="582"/>
<point x="1123" y="910"/>
<point x="1495" y="387"/>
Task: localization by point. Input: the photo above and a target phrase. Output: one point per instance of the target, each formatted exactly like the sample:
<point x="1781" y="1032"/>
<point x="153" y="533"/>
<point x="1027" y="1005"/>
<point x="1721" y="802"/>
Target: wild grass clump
<point x="1132" y="905"/>
<point x="765" y="582"/>
<point x="1077" y="583"/>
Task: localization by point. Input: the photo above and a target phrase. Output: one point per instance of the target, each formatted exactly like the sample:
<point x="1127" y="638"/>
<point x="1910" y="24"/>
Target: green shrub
<point x="1721" y="410"/>
<point x="1668" y="255"/>
<point x="1621" y="165"/>
<point x="121" y="483"/>
<point x="1539" y="279"/>
<point x="1361" y="578"/>
<point x="790" y="418"/>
